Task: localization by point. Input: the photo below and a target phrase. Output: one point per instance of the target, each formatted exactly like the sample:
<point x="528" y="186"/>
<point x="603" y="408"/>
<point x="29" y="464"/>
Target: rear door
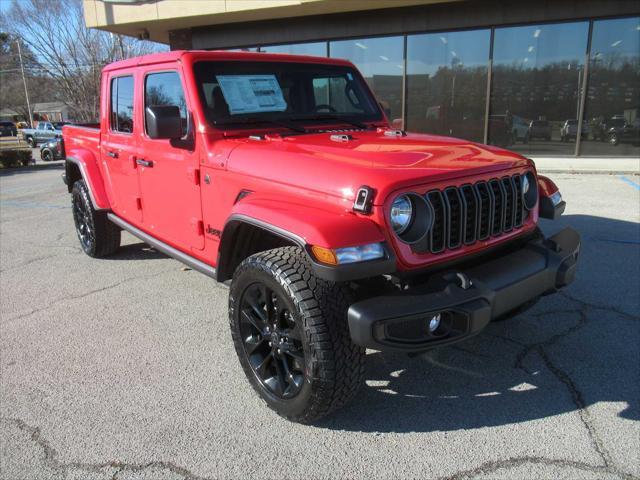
<point x="169" y="169"/>
<point x="118" y="147"/>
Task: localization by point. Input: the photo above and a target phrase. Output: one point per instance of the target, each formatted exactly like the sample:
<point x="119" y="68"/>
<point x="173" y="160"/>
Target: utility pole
<point x="24" y="81"/>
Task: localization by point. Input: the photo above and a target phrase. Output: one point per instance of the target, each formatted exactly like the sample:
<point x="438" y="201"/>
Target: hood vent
<point x="341" y="137"/>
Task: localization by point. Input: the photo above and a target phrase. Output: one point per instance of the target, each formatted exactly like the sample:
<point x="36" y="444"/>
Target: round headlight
<point x="401" y="214"/>
<point x="529" y="190"/>
<point x="411" y="217"/>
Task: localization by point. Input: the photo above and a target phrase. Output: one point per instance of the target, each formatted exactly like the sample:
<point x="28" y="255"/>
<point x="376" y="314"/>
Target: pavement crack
<point x="85" y="294"/>
<point x="27" y="262"/>
<point x="495" y="465"/>
<point x="595" y="306"/>
<point x="583" y="411"/>
<point x="51" y="458"/>
<point x="576" y="395"/>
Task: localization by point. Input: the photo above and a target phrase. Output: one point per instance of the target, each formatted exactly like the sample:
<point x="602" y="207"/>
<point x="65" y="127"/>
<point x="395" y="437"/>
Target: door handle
<point x="144" y="163"/>
<point x="113" y="154"/>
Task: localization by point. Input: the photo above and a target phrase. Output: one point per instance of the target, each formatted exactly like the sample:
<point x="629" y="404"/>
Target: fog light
<point x="434" y="323"/>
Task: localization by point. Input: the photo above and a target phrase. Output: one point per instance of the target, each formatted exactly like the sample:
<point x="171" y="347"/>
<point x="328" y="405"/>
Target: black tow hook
<point x="460" y="279"/>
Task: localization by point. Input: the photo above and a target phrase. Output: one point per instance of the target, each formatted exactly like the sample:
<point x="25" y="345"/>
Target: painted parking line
<point x="630" y="182"/>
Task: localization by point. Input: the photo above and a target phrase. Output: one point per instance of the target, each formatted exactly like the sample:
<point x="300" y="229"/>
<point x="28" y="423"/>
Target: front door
<point x="118" y="149"/>
<point x="169" y="175"/>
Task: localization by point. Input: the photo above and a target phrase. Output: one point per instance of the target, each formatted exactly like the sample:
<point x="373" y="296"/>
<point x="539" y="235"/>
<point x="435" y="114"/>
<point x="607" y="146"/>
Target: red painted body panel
<point x="82" y="144"/>
<point x="547" y="187"/>
<point x="304" y="184"/>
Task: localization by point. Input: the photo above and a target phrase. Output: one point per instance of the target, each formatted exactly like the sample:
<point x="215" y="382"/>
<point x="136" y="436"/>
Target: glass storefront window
<point x="447" y="83"/>
<point x="316" y="49"/>
<point x="381" y="62"/>
<point x="535" y="90"/>
<point x="612" y="109"/>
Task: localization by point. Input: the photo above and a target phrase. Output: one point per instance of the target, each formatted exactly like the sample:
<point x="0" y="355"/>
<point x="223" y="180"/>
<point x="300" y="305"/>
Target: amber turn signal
<point x="324" y="255"/>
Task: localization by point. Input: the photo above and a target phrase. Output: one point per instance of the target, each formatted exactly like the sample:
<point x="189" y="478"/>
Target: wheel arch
<point x="243" y="236"/>
<point x="83" y="166"/>
<point x="281" y="223"/>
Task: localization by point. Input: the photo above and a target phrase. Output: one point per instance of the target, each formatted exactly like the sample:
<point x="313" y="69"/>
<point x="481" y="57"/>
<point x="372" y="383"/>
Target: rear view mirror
<point x="163" y="122"/>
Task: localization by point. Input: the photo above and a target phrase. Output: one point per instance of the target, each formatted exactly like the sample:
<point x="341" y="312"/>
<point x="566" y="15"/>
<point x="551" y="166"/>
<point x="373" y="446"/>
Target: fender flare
<point x="301" y="225"/>
<point x="92" y="177"/>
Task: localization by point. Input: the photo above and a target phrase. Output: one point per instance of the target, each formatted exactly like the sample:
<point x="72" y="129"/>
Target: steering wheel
<point x="324" y="106"/>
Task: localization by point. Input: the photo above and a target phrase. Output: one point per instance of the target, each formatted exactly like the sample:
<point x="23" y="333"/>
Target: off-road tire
<point x="333" y="364"/>
<point x="102" y="237"/>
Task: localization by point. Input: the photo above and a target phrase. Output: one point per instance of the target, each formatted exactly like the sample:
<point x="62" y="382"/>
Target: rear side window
<point x="122" y="104"/>
<point x="165" y="88"/>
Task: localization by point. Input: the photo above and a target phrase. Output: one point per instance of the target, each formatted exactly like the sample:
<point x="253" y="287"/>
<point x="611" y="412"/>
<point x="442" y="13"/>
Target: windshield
<point x="238" y="93"/>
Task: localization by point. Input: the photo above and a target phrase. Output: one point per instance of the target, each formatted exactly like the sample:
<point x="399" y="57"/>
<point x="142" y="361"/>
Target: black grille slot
<point x="498" y="206"/>
<point x="471" y="213"/>
<point x="471" y="203"/>
<point x="486" y="210"/>
<point x="519" y="216"/>
<point x="456" y="216"/>
<point x="439" y="229"/>
<point x="509" y="198"/>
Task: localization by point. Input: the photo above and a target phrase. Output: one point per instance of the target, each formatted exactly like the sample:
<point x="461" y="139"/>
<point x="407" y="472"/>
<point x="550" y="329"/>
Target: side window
<point x="165" y="88"/>
<point x="122" y="104"/>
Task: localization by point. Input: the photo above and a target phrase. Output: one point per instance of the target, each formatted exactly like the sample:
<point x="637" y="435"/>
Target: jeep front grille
<point x="469" y="213"/>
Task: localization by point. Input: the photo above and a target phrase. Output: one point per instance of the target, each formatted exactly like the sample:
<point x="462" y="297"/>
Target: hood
<point x="324" y="164"/>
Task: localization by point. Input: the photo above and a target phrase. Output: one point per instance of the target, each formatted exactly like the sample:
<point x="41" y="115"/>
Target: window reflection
<point x="536" y="83"/>
<point x="381" y="62"/>
<point x="447" y="83"/>
<point x="612" y="108"/>
<point x="316" y="49"/>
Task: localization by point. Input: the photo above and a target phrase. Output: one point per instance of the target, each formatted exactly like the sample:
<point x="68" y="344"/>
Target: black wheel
<point x="31" y="142"/>
<point x="98" y="236"/>
<point x="614" y="139"/>
<point x="290" y="332"/>
<point x="45" y="155"/>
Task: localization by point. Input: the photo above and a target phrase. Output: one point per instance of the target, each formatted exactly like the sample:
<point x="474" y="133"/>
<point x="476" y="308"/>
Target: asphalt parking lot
<point x="123" y="368"/>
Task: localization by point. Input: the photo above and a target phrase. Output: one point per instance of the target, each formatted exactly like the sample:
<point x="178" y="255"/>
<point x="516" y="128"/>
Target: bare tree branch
<point x="69" y="53"/>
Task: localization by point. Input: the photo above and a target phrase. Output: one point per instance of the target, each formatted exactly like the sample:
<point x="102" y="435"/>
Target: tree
<point x="68" y="53"/>
<point x="11" y="85"/>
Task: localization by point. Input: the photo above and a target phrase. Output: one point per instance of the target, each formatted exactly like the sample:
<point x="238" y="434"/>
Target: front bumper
<point x="466" y="299"/>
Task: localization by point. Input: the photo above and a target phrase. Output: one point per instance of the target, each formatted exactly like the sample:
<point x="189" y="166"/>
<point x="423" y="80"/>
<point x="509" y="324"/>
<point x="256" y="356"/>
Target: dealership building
<point x="517" y="74"/>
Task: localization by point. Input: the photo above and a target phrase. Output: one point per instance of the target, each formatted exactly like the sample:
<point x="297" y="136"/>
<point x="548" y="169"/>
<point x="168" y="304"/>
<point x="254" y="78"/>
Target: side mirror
<point x="163" y="122"/>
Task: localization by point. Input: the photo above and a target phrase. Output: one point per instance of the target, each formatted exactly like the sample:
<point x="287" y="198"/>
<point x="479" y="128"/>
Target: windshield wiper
<point x="336" y="118"/>
<point x="270" y="121"/>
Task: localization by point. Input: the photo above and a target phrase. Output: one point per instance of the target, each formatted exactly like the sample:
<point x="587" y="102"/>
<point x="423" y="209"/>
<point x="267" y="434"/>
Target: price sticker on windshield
<point x="252" y="93"/>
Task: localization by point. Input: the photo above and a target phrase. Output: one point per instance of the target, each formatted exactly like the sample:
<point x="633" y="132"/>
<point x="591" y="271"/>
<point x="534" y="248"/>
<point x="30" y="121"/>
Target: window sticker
<point x="252" y="93"/>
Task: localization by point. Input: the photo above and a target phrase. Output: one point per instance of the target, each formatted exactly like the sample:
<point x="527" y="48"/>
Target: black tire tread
<point x="338" y="365"/>
<point x="107" y="234"/>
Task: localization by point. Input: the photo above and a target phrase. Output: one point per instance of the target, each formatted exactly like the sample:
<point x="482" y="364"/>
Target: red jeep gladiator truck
<point x="281" y="176"/>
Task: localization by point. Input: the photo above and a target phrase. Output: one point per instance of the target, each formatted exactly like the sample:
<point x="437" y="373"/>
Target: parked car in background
<point x="621" y="131"/>
<point x="569" y="130"/>
<point x="44" y="131"/>
<point x="519" y="129"/>
<point x="8" y="129"/>
<point x="540" y="129"/>
<point x="51" y="150"/>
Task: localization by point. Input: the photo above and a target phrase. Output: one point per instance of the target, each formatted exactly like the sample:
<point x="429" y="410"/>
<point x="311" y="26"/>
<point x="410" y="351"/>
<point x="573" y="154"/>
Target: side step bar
<point x="188" y="260"/>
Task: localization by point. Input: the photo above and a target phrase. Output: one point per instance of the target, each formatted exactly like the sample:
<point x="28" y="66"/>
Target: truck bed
<point x="81" y="137"/>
